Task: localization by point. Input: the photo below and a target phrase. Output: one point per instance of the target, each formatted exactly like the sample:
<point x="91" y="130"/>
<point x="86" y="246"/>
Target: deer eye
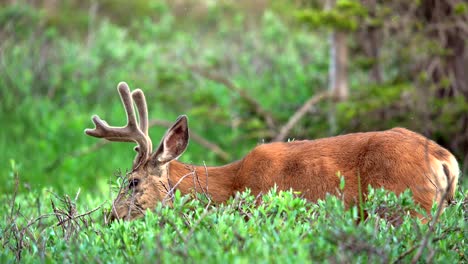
<point x="133" y="183"/>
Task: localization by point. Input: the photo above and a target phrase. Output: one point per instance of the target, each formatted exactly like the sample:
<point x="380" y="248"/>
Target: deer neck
<point x="217" y="182"/>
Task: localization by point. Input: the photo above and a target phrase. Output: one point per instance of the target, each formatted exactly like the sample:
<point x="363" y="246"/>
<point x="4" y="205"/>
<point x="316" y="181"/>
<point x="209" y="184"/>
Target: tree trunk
<point x="338" y="70"/>
<point x="338" y="66"/>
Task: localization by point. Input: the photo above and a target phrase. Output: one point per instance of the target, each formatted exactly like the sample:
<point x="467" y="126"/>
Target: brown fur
<point x="395" y="159"/>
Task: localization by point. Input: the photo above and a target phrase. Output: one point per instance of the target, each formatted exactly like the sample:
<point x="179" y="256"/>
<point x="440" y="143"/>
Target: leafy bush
<point x="278" y="227"/>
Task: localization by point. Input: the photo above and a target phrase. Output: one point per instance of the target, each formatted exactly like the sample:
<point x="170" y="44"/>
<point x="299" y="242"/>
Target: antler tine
<point x="130" y="132"/>
<point x="140" y="102"/>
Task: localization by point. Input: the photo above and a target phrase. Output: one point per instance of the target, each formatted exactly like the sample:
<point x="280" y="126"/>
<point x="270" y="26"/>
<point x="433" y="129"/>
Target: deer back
<point x="395" y="159"/>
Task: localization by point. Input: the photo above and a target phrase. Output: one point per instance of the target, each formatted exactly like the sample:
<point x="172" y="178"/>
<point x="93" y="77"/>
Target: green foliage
<point x="461" y="8"/>
<point x="282" y="227"/>
<point x="344" y="16"/>
<point x="377" y="98"/>
<point x="16" y="19"/>
<point x="50" y="85"/>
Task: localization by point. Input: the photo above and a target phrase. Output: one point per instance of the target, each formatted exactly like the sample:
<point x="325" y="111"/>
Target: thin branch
<point x="170" y="193"/>
<point x="299" y="114"/>
<point x="79" y="216"/>
<point x="414" y="247"/>
<point x="257" y="108"/>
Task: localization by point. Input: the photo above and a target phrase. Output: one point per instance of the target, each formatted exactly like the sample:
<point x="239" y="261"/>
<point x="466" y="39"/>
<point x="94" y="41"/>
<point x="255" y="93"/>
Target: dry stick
<point x="79" y="216"/>
<point x="406" y="253"/>
<point x="155" y="122"/>
<point x="69" y="214"/>
<point x="171" y="191"/>
<point x="241" y="92"/>
<point x="12" y="217"/>
<point x="299" y="114"/>
<point x="196" y="181"/>
<point x="414" y="247"/>
<point x="22" y="232"/>
<point x="206" y="175"/>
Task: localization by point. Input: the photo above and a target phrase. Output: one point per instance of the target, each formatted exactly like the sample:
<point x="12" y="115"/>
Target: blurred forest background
<point x="245" y="72"/>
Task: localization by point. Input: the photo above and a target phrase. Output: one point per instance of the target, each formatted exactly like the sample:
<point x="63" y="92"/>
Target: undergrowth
<point x="279" y="227"/>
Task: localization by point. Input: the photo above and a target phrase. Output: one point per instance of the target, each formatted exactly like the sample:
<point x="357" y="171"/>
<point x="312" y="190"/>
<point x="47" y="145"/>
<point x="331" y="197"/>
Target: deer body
<point x="395" y="159"/>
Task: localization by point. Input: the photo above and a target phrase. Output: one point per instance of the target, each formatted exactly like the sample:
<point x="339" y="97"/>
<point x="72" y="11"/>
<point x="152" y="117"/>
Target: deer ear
<point x="173" y="144"/>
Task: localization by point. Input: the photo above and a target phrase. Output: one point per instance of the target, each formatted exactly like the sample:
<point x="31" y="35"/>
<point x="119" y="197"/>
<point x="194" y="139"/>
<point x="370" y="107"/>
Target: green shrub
<point x="280" y="228"/>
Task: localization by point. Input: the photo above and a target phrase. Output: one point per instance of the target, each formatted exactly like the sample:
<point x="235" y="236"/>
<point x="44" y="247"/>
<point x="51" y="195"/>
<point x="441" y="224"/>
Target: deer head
<point x="147" y="183"/>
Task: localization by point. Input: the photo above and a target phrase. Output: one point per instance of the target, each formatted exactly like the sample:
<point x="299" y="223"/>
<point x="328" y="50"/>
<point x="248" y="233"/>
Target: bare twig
<point x="206" y="175"/>
<point x="299" y="114"/>
<point x="196" y="181"/>
<point x="19" y="237"/>
<point x="257" y="108"/>
<point x="414" y="247"/>
<point x="173" y="188"/>
<point x="67" y="217"/>
<point x="80" y="215"/>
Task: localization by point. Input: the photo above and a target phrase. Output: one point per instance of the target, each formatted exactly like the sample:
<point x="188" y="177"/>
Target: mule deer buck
<point x="395" y="159"/>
